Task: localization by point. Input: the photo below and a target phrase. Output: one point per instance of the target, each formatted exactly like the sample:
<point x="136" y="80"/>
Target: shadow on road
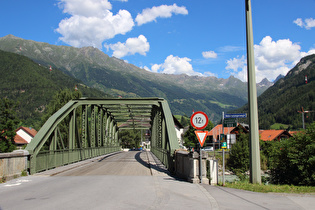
<point x="148" y="165"/>
<point x="107" y="156"/>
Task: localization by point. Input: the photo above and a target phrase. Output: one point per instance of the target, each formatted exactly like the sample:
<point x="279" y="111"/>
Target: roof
<point x="177" y="123"/>
<point x="270" y="135"/>
<point x="218" y="130"/>
<point x="31" y="131"/>
<point x="292" y="133"/>
<point x="19" y="140"/>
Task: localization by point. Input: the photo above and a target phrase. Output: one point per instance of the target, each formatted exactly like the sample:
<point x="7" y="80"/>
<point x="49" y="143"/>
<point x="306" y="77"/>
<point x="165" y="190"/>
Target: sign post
<point x="199" y="120"/>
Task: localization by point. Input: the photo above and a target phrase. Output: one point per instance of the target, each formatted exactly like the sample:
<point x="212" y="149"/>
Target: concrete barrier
<point x="187" y="166"/>
<point x="12" y="164"/>
<point x="213" y="168"/>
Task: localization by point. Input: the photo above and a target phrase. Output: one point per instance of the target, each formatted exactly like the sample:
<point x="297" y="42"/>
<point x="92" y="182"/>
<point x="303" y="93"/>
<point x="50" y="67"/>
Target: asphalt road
<point x="131" y="180"/>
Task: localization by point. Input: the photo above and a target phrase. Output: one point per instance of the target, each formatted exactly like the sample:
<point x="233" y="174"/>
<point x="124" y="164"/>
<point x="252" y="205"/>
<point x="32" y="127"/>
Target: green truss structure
<point x="87" y="128"/>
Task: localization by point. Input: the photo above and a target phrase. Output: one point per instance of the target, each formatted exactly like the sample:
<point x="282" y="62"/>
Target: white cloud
<point x="230" y="48"/>
<point x="271" y="59"/>
<point x="298" y="22"/>
<point x="271" y="54"/>
<point x="236" y="63"/>
<point x="130" y="47"/>
<point x="86" y="8"/>
<point x="163" y="11"/>
<point x="308" y="23"/>
<point x="209" y="54"/>
<point x="209" y="74"/>
<point x="174" y="65"/>
<point x="238" y="67"/>
<point x="92" y="22"/>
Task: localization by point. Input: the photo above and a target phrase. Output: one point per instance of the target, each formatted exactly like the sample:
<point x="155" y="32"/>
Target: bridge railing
<point x="76" y="132"/>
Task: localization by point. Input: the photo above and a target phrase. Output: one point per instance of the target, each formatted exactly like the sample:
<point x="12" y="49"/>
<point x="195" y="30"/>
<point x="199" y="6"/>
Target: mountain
<point x="281" y="102"/>
<point x="116" y="77"/>
<point x="278" y="77"/>
<point x="34" y="85"/>
<point x="264" y="85"/>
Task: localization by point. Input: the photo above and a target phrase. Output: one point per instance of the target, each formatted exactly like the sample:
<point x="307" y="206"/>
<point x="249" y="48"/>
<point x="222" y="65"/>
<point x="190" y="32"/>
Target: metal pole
<point x="200" y="163"/>
<point x="303" y="120"/>
<point x="255" y="176"/>
<point x="223" y="171"/>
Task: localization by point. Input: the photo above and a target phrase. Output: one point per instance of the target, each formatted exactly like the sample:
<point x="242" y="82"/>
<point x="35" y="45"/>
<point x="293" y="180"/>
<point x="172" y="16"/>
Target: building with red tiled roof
<point x="24" y="135"/>
<point x="274" y="135"/>
<point x="231" y="134"/>
<point x="214" y="136"/>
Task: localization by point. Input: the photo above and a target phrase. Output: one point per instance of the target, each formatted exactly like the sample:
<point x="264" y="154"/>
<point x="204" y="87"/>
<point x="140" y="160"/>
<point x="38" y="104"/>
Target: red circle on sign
<point x="199" y="120"/>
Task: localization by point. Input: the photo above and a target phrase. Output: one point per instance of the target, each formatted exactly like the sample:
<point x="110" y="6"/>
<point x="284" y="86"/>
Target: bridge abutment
<point x="187" y="167"/>
<point x="13" y="164"/>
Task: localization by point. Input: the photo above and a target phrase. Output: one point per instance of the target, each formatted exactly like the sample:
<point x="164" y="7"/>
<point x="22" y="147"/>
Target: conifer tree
<point x="8" y="124"/>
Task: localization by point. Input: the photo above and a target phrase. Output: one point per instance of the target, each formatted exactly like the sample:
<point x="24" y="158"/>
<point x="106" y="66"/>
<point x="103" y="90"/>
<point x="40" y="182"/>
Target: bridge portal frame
<point x="87" y="128"/>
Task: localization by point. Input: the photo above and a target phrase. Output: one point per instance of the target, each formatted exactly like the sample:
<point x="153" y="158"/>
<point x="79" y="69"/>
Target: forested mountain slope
<point x="281" y="102"/>
<point x="33" y="85"/>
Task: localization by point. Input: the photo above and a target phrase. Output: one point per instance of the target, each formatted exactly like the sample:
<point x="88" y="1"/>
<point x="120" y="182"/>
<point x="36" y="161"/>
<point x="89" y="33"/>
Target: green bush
<point x="238" y="160"/>
<point x="8" y="124"/>
<point x="295" y="161"/>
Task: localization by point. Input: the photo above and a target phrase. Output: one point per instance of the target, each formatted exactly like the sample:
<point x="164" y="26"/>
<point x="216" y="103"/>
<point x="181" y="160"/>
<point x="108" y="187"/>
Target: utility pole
<point x="303" y="117"/>
<point x="255" y="176"/>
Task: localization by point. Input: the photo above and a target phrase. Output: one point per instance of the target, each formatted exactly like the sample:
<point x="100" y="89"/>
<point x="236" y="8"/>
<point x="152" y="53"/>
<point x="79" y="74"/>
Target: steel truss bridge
<point x="87" y="128"/>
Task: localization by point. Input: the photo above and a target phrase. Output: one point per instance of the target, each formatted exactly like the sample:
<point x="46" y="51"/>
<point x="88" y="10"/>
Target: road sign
<point x="229" y="122"/>
<point x="199" y="120"/>
<point x="223" y="145"/>
<point x="201" y="136"/>
<point x="240" y="115"/>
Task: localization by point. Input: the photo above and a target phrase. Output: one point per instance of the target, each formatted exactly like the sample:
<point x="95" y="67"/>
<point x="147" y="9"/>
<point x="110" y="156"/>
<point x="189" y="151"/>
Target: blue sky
<point x="194" y="37"/>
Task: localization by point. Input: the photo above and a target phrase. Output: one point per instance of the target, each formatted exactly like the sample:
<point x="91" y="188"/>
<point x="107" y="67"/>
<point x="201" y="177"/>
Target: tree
<point x="238" y="160"/>
<point x="130" y="138"/>
<point x="59" y="100"/>
<point x="8" y="124"/>
<point x="184" y="120"/>
<point x="295" y="161"/>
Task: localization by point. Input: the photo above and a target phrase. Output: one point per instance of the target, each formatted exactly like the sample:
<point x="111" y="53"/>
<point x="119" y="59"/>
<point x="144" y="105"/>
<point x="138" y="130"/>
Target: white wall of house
<point x="179" y="132"/>
<point x="24" y="135"/>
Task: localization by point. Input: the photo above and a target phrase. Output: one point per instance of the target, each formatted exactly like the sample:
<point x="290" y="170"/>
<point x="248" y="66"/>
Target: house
<point x="24" y="135"/>
<point x="240" y="128"/>
<point x="216" y="132"/>
<point x="231" y="134"/>
<point x="274" y="135"/>
<point x="179" y="128"/>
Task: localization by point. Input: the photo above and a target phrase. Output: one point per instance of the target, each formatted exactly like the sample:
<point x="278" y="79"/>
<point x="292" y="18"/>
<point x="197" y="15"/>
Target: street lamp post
<point x="255" y="176"/>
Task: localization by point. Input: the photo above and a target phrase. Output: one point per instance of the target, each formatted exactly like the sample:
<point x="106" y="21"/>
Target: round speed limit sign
<point x="199" y="120"/>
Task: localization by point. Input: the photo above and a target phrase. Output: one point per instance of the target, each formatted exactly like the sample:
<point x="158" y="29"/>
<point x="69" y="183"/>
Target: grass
<point x="279" y="126"/>
<point x="245" y="185"/>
